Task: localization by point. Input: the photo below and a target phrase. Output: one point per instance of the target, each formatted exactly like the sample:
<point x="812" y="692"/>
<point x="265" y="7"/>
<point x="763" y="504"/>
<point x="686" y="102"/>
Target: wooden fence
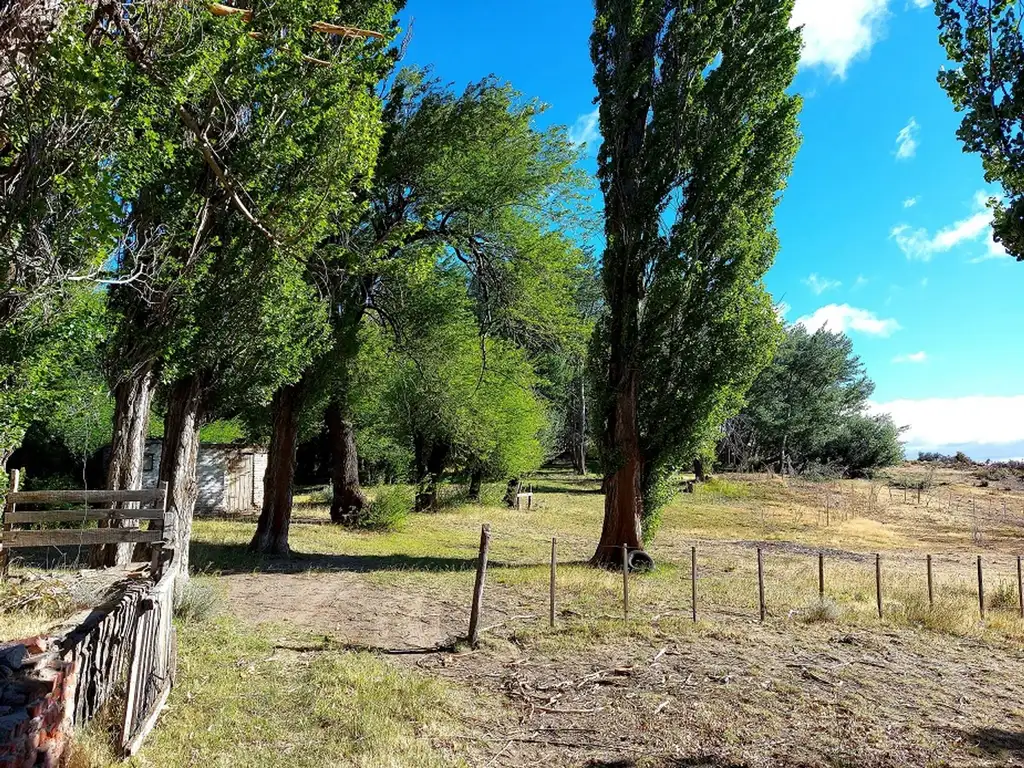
<point x="124" y="652"/>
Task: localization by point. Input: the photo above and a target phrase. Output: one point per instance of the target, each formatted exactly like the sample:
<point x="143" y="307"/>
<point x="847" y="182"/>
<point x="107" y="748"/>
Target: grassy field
<point x="349" y="654"/>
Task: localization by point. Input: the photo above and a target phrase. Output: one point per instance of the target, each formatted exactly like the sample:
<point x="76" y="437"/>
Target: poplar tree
<point x="699" y="134"/>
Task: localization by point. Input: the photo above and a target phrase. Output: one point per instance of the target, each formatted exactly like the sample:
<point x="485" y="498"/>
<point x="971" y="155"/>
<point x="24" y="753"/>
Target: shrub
<point x="388" y="510"/>
<point x="1004" y="597"/>
<point x="946" y="616"/>
<point x="196" y="602"/>
<point x="823" y="610"/>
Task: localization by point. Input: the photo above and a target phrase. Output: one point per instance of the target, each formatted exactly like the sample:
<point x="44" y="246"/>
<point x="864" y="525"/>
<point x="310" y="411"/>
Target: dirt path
<point x="784" y="694"/>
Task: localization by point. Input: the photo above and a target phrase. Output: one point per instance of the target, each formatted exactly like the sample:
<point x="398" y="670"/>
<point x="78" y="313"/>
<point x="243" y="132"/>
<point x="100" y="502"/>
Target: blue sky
<point x="882" y="231"/>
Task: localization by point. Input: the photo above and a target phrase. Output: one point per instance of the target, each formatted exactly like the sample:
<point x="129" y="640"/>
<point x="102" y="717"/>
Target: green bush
<point x="196" y="602"/>
<point x="388" y="511"/>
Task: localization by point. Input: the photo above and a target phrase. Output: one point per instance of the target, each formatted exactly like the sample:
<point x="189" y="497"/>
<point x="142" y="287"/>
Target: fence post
<point x="821" y="576"/>
<point x="931" y="591"/>
<point x="760" y="582"/>
<point x="693" y="581"/>
<point x="5" y="557"/>
<point x="551" y="615"/>
<point x="878" y="583"/>
<point x="981" y="590"/>
<point x="478" y="588"/>
<point x="625" y="582"/>
<point x="1020" y="588"/>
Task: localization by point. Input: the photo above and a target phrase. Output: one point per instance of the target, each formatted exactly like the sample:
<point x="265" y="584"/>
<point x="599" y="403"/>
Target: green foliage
<point x="808" y="408"/>
<point x="699" y="136"/>
<point x="388" y="510"/>
<point x="984" y="41"/>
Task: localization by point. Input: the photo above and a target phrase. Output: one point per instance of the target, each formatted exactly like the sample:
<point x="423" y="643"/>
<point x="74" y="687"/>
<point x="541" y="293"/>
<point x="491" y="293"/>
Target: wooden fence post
<point x="625" y="582"/>
<point x="760" y="582"/>
<point x="981" y="590"/>
<point x="878" y="583"/>
<point x="5" y="552"/>
<point x="478" y="588"/>
<point x="1020" y="588"/>
<point x="693" y="582"/>
<point x="551" y="615"/>
<point x="931" y="591"/>
<point x="821" y="576"/>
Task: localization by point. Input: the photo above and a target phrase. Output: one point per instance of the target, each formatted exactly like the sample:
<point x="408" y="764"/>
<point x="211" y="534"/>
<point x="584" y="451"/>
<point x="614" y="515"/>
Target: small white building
<point x="230" y="476"/>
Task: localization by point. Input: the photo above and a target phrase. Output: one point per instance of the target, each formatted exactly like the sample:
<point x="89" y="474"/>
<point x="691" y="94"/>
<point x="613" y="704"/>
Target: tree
<point x="983" y="39"/>
<point x="810" y="405"/>
<point x="465" y="179"/>
<point x="699" y="135"/>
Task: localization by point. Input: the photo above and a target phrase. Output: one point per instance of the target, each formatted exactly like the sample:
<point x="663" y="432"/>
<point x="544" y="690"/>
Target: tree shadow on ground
<point x="998" y="742"/>
<point x="236" y="558"/>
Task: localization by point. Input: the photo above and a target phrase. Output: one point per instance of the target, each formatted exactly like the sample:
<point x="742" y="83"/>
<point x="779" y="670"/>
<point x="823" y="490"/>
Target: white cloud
<point x="918" y="244"/>
<point x="782" y="309"/>
<point x="820" y="284"/>
<point x="587" y="129"/>
<point x="910" y="202"/>
<point x="906" y="142"/>
<point x="950" y="424"/>
<point x="913" y="357"/>
<point x="921" y="3"/>
<point x="841" y="318"/>
<point x="860" y="282"/>
<point x="838" y="31"/>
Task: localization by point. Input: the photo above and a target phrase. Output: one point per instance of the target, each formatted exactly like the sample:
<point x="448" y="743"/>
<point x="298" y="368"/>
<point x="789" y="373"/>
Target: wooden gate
<point x="238" y="482"/>
<point x="153" y="661"/>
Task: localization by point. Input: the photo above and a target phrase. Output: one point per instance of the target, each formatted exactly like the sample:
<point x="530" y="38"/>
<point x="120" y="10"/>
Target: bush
<point x="1004" y="597"/>
<point x="388" y="511"/>
<point x="196" y="602"/>
<point x="824" y="610"/>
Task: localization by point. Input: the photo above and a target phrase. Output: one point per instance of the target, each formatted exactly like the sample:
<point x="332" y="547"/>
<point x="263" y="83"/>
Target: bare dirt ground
<point x="742" y="694"/>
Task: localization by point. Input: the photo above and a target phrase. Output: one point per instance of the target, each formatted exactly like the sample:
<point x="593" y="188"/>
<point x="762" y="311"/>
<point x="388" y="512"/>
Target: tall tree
<point x="983" y="38"/>
<point x="801" y="407"/>
<point x="460" y="178"/>
<point x="699" y="136"/>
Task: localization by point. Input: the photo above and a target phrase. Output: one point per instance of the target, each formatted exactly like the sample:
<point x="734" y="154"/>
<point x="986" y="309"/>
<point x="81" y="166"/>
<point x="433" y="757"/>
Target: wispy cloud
<point x="921" y="3"/>
<point x="958" y="423"/>
<point x="838" y="31"/>
<point x="913" y="357"/>
<point x="906" y="142"/>
<point x="820" y="284"/>
<point x="860" y="282"/>
<point x="919" y="245"/>
<point x="587" y="130"/>
<point x="782" y="309"/>
<point x="910" y="202"/>
<point x="841" y="318"/>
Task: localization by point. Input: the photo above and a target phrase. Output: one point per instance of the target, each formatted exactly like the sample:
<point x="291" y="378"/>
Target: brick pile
<point x="35" y="684"/>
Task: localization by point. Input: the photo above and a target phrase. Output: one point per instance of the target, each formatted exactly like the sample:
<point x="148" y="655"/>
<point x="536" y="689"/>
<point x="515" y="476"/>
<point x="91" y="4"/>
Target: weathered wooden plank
<point x="85" y="497"/>
<point x="18" y="539"/>
<point x="82" y="515"/>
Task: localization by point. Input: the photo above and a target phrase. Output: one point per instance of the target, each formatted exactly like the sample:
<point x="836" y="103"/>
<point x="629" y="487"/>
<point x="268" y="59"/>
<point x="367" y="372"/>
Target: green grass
<point x="249" y="698"/>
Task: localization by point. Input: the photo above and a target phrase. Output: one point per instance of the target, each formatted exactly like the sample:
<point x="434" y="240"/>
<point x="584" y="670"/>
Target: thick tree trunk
<point x="698" y="471"/>
<point x="178" y="462"/>
<point x="348" y="500"/>
<point x="476" y="481"/>
<point x="623" y="501"/>
<point x="271" y="535"/>
<point x="512" y="491"/>
<point x="430" y="467"/>
<point x="133" y="398"/>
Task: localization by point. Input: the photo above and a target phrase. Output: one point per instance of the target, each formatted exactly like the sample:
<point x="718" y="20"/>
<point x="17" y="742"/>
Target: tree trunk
<point x="698" y="471"/>
<point x="476" y="480"/>
<point x="133" y="397"/>
<point x="430" y="467"/>
<point x="348" y="500"/>
<point x="512" y="491"/>
<point x="271" y="535"/>
<point x="583" y="423"/>
<point x="178" y="461"/>
<point x="623" y="501"/>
